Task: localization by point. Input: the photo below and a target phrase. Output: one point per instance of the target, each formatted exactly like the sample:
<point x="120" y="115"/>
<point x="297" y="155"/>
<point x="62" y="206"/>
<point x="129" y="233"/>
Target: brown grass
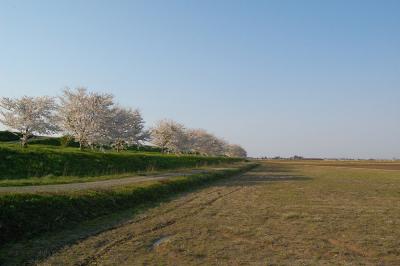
<point x="283" y="213"/>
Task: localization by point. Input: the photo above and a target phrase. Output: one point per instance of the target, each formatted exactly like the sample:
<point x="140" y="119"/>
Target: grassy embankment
<point x="24" y="215"/>
<point x="27" y="215"/>
<point x="41" y="164"/>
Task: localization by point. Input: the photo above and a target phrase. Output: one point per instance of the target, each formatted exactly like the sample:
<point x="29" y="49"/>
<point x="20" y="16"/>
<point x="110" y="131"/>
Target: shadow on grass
<point x="263" y="175"/>
<point x="254" y="180"/>
<point x="33" y="250"/>
<point x="271" y="168"/>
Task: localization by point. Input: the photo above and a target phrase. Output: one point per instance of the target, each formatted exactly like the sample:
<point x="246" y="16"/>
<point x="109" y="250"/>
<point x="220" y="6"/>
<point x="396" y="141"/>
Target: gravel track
<point x="102" y="184"/>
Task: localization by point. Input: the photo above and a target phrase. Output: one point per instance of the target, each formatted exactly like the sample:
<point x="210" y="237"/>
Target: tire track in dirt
<point x="171" y="209"/>
<point x="149" y="217"/>
<point x="131" y="236"/>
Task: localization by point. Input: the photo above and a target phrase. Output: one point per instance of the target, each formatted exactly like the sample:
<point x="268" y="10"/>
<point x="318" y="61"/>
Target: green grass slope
<point x="40" y="160"/>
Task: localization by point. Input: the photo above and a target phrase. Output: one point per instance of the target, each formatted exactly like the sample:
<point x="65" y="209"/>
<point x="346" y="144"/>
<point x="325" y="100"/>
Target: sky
<point x="281" y="78"/>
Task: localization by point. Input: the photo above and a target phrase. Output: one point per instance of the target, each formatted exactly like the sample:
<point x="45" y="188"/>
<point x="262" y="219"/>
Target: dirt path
<point x="103" y="183"/>
<point x="263" y="217"/>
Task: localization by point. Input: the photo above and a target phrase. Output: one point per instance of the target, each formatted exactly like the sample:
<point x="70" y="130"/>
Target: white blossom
<point x="126" y="127"/>
<point x="84" y="115"/>
<point x="205" y="143"/>
<point x="235" y="151"/>
<point x="29" y="115"/>
<point x="92" y="119"/>
<point x="170" y="136"/>
<point x="174" y="137"/>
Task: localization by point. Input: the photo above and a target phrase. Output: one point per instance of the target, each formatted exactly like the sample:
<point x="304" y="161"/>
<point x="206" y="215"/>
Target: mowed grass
<point x="50" y="162"/>
<point x="326" y="212"/>
<point x="26" y="215"/>
<point x="54" y="180"/>
<point x="367" y="164"/>
<point x="282" y="213"/>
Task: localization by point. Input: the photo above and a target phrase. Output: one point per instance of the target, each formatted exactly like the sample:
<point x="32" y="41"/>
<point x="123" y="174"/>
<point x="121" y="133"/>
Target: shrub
<point x="64" y="141"/>
<point x="145" y="148"/>
<point x="68" y="141"/>
<point x="45" y="141"/>
<point x="9" y="136"/>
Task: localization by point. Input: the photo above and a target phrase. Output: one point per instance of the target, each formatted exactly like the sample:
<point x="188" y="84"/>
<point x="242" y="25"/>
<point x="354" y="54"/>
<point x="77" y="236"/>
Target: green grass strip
<point x="17" y="163"/>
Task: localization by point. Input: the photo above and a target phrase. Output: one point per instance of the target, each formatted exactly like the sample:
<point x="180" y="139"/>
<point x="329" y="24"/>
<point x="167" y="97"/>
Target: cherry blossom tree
<point x="235" y="151"/>
<point x="205" y="143"/>
<point x="170" y="136"/>
<point x="29" y="115"/>
<point x="174" y="137"/>
<point x="126" y="127"/>
<point x="93" y="119"/>
<point x="84" y="115"/>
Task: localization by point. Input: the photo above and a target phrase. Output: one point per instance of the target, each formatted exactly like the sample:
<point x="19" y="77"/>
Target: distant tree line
<point x="94" y="120"/>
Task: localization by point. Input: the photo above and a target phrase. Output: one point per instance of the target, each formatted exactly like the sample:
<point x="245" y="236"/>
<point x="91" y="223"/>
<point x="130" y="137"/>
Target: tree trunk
<point x="24" y="141"/>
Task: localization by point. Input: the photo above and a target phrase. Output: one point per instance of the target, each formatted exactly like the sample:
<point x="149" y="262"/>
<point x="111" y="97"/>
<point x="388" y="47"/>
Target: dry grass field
<point x="281" y="213"/>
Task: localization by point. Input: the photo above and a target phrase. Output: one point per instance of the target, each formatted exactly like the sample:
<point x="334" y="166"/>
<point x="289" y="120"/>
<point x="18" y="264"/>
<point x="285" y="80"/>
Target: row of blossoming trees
<point x="94" y="120"/>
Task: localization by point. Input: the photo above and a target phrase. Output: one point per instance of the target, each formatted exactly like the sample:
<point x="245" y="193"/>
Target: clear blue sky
<point x="313" y="78"/>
